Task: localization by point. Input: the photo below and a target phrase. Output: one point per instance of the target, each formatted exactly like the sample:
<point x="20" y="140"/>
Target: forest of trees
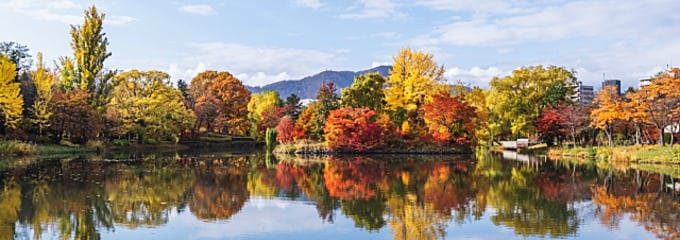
<point x="81" y="99"/>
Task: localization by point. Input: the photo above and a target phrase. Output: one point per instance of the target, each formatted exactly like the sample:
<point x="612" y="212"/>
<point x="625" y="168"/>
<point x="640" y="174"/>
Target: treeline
<point x="413" y="108"/>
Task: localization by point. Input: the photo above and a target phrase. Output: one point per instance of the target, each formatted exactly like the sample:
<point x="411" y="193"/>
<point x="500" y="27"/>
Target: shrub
<point x="121" y="142"/>
<point x="16" y="148"/>
<point x="353" y="129"/>
<point x="150" y="141"/>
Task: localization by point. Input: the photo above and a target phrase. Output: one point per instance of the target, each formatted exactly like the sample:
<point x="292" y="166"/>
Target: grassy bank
<point x="320" y="148"/>
<point x="17" y="148"/>
<point x="636" y="153"/>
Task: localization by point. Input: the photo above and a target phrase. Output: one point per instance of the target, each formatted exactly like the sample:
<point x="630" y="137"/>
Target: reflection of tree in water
<point x="144" y="195"/>
<point x="10" y="202"/>
<point x="644" y="199"/>
<point x="520" y="204"/>
<point x="410" y="219"/>
<point x="220" y="189"/>
<point x="450" y="189"/>
<point x="309" y="179"/>
<point x="354" y="178"/>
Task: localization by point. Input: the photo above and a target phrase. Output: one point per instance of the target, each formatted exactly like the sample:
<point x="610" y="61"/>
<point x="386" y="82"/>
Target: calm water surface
<point x="255" y="196"/>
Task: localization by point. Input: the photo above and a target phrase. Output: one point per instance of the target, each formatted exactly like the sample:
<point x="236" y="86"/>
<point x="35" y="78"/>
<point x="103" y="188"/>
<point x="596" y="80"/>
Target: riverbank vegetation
<point x="635" y="153"/>
<point x="413" y="109"/>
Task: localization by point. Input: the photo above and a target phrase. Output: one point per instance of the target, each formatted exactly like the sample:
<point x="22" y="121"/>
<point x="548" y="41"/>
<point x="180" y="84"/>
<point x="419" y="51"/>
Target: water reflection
<point x="405" y="197"/>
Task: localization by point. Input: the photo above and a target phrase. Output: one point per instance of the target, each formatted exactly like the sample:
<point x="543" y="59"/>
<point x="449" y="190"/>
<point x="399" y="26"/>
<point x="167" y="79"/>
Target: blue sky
<point x="263" y="41"/>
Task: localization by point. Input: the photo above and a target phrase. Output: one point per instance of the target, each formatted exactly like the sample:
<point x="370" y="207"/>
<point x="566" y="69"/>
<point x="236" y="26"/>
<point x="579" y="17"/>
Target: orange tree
<point x="220" y="102"/>
<point x="658" y="104"/>
<point x="610" y="111"/>
<point x="353" y="129"/>
<point x="449" y="119"/>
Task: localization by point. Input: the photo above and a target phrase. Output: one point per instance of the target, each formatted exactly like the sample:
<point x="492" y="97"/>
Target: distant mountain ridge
<point x="308" y="86"/>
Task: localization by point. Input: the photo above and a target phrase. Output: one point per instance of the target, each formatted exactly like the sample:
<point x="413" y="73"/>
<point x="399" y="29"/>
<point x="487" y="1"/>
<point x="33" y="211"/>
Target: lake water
<point x="254" y="196"/>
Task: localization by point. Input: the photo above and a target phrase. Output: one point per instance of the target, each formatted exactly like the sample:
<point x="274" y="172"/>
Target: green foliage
<point x="270" y="139"/>
<point x="365" y="92"/>
<point x="120" y="142"/>
<point x="518" y="99"/>
<point x="18" y="54"/>
<point x="16" y="148"/>
<point x="143" y="103"/>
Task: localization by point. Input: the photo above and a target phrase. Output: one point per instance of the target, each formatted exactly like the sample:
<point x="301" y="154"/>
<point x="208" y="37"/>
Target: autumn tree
<point x="44" y="81"/>
<point x="609" y="111"/>
<point x="220" y="102"/>
<point x="574" y="117"/>
<point x="449" y="119"/>
<point x="486" y="130"/>
<point x="144" y="104"/>
<point x="74" y="118"/>
<point x="11" y="102"/>
<point x="328" y="100"/>
<point x="549" y="125"/>
<point x="285" y="130"/>
<point x="658" y="104"/>
<point x="518" y="99"/>
<point x="263" y="105"/>
<point x="353" y="129"/>
<point x="365" y="92"/>
<point x="305" y="124"/>
<point x="18" y="54"/>
<point x="89" y="46"/>
<point x="414" y="79"/>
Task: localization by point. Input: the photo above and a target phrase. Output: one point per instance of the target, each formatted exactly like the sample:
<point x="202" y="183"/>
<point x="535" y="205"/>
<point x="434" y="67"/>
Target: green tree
<point x="366" y="91"/>
<point x="143" y="103"/>
<point x="11" y="102"/>
<point x="89" y="46"/>
<point x="293" y="106"/>
<point x="328" y="101"/>
<point x="44" y="81"/>
<point x="518" y="99"/>
<point x="18" y="54"/>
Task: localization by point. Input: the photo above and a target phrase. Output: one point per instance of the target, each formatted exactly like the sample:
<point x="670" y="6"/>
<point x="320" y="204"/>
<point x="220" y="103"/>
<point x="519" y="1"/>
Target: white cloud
<point x="199" y="9"/>
<point x="63" y="11"/>
<point x="590" y="19"/>
<point x="118" y="20"/>
<point x="315" y="4"/>
<point x="378" y="64"/>
<point x="374" y="9"/>
<point x="63" y="4"/>
<point x="261" y="78"/>
<point x="253" y="65"/>
<point x="475" y="6"/>
<point x="476" y="76"/>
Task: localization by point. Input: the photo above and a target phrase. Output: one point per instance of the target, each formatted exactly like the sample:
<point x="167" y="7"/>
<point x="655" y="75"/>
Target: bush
<point x="121" y="142"/>
<point x="150" y="141"/>
<point x="17" y="148"/>
<point x="95" y="144"/>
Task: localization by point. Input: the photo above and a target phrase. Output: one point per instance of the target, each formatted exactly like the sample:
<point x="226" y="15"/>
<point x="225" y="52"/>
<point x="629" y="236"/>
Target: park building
<point x="583" y="94"/>
<point x="645" y="82"/>
<point x="612" y="82"/>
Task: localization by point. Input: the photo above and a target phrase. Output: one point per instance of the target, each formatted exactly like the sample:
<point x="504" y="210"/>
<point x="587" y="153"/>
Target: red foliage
<point x="352" y="179"/>
<point x="285" y="130"/>
<point x="549" y="124"/>
<point x="449" y="119"/>
<point x="270" y="119"/>
<point x="353" y="129"/>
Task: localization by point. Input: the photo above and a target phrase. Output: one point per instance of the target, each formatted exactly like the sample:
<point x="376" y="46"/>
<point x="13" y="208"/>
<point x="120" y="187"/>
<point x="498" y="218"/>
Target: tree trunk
<point x="661" y="136"/>
<point x="637" y="134"/>
<point x="573" y="137"/>
<point x="608" y="132"/>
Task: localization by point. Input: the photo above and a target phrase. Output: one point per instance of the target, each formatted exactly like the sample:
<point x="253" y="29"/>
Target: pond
<point x="218" y="195"/>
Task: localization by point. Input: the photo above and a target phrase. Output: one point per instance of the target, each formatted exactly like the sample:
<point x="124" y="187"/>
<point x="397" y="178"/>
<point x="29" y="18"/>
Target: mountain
<point x="306" y="88"/>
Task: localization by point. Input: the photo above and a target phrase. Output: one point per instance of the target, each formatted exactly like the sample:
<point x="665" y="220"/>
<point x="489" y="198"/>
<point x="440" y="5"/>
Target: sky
<point x="264" y="41"/>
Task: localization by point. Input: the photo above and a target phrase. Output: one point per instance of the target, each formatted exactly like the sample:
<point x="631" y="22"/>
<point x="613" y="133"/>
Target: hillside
<point x="307" y="87"/>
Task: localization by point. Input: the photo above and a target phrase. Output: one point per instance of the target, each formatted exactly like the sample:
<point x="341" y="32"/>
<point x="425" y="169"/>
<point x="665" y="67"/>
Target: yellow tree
<point x="44" y="80"/>
<point x="658" y="104"/>
<point x="145" y="104"/>
<point x="414" y="79"/>
<point x="610" y="110"/>
<point x="11" y="102"/>
<point x="264" y="102"/>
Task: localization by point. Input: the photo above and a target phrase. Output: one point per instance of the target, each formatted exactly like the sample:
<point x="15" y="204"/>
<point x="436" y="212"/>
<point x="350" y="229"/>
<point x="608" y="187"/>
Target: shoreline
<point x="648" y="154"/>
